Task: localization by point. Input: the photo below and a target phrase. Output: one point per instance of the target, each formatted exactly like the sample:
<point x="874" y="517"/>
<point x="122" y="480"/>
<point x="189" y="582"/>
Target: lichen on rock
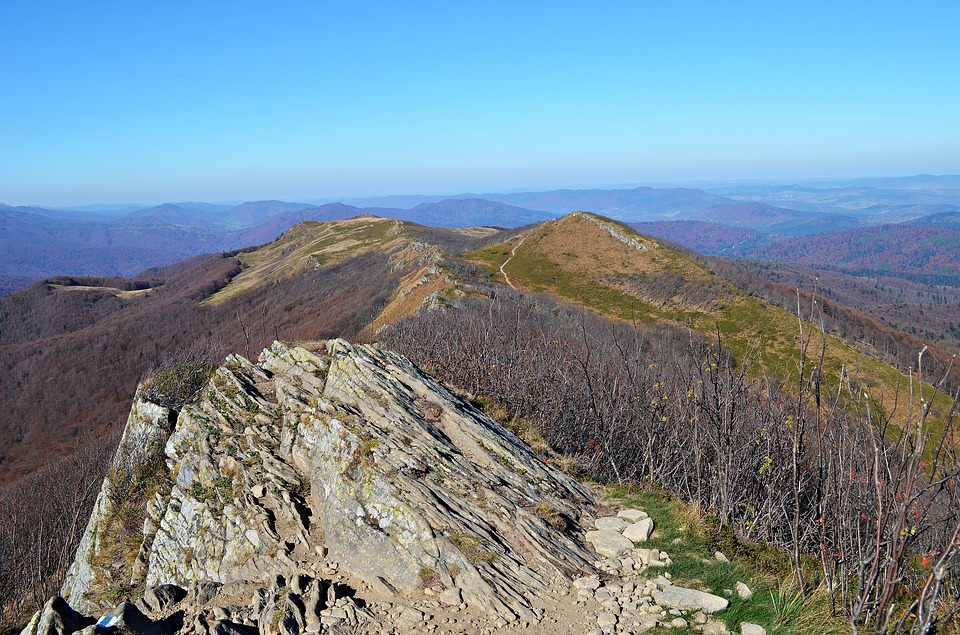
<point x="335" y="455"/>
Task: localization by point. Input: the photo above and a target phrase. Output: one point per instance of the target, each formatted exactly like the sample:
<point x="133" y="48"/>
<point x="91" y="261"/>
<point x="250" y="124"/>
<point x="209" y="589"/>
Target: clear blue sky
<point x="120" y="101"/>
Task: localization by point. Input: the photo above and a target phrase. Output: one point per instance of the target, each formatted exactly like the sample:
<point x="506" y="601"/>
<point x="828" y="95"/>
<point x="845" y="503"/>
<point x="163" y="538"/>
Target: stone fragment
<point x="743" y="591"/>
<point x="678" y="622"/>
<point x="382" y="587"/>
<point x="639" y="531"/>
<point x="204" y="591"/>
<point x="409" y="617"/>
<point x="747" y="628"/>
<point x="611" y="522"/>
<point x="226" y="627"/>
<point x="632" y="515"/>
<point x="56" y="618"/>
<point x="451" y="597"/>
<point x="160" y="598"/>
<point x="689" y="599"/>
<point x="609" y="543"/>
<point x="589" y="582"/>
<point x="718" y="555"/>
<point x="606" y="619"/>
<point x="648" y="620"/>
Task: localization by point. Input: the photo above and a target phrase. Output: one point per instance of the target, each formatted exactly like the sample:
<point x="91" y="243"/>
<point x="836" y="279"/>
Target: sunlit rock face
<point x="329" y="457"/>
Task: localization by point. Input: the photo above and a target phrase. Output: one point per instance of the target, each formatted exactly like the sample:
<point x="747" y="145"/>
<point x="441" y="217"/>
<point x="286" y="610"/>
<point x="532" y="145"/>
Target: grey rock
<point x="639" y="531"/>
<point x="56" y="618"/>
<point x="611" y="522"/>
<point x="202" y="592"/>
<point x="159" y="599"/>
<point x="609" y="543"/>
<point x="689" y="599"/>
<point x="451" y="597"/>
<point x="746" y="628"/>
<point x="632" y="515"/>
<point x="607" y="619"/>
<point x="409" y="617"/>
<point x="226" y="627"/>
<point x="147" y="429"/>
<point x="590" y="582"/>
<point x="743" y="591"/>
<point x="382" y="587"/>
<point x="347" y="448"/>
<point x="718" y="555"/>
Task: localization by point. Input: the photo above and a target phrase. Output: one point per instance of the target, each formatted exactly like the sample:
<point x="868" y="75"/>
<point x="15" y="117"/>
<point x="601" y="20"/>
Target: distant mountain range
<point x="924" y="250"/>
<point x="120" y="240"/>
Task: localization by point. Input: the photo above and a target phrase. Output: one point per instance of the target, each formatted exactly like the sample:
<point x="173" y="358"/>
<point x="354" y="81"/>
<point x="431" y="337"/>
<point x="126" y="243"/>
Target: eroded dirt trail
<point x="505" y="262"/>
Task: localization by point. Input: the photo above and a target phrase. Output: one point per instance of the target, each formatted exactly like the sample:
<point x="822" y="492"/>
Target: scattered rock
<point x="56" y="618"/>
<point x="743" y="591"/>
<point x="611" y="522"/>
<point x="609" y="543"/>
<point x="746" y="628"/>
<point x="204" y="591"/>
<point x="632" y="515"/>
<point x="718" y="555"/>
<point x="639" y="531"/>
<point x="689" y="599"/>
<point x="159" y="599"/>
<point x="590" y="582"/>
<point x="606" y="619"/>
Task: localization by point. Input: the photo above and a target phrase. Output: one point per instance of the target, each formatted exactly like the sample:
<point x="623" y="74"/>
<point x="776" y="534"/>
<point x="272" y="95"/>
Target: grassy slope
<point x="578" y="260"/>
<point x="310" y="244"/>
<point x="689" y="539"/>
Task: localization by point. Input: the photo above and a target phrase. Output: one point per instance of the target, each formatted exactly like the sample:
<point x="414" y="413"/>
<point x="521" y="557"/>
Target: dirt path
<point x="512" y="252"/>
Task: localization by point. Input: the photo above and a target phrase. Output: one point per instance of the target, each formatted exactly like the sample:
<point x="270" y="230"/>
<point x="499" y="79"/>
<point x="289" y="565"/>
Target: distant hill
<point x="868" y="204"/>
<point x="638" y="204"/>
<point x="949" y="219"/>
<point x="120" y="241"/>
<point x="258" y="212"/>
<point x="466" y="212"/>
<point x="917" y="182"/>
<point x="775" y="220"/>
<point x="923" y="253"/>
<point x="700" y="236"/>
<point x="279" y="223"/>
<point x="35" y="245"/>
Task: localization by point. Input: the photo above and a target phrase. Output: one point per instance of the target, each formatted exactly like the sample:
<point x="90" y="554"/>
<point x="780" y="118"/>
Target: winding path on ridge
<point x="512" y="252"/>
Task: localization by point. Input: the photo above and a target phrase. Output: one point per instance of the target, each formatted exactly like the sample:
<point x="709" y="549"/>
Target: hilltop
<point x="610" y="268"/>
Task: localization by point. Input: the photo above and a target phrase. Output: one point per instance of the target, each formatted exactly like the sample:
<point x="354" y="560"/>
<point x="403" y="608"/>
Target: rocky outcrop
<point x="336" y="488"/>
<point x="338" y="455"/>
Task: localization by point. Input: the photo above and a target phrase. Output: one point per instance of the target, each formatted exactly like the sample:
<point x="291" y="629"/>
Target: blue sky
<point x="148" y="102"/>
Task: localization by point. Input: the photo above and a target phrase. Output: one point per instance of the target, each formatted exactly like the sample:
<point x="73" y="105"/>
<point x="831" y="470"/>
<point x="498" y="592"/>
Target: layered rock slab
<point x="351" y="452"/>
